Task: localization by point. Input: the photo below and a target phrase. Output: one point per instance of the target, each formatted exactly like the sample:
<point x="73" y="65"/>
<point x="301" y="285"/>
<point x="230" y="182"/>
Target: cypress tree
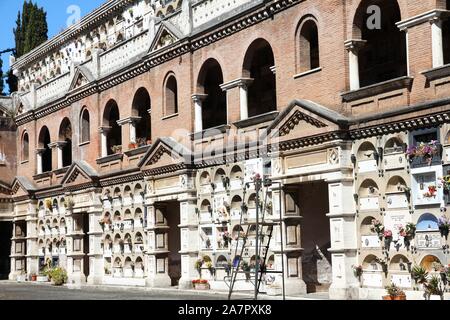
<point x="31" y="30"/>
<point x="1" y="76"/>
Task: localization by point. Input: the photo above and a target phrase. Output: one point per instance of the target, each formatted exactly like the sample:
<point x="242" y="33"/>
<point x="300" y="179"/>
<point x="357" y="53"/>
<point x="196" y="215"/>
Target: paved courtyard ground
<point x="10" y="290"/>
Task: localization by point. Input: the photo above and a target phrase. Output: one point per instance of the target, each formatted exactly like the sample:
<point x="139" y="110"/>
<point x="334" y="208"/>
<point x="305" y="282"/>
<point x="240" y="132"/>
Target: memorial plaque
<point x="160" y="243"/>
<point x="293" y="267"/>
<point x="396" y="219"/>
<point x="369" y="203"/>
<point x="395" y="201"/>
<point x="372" y="279"/>
<point x="394" y="161"/>
<point x="370" y="241"/>
<point x="367" y="166"/>
<point x="336" y="234"/>
<point x="402" y="280"/>
<point x="428" y="240"/>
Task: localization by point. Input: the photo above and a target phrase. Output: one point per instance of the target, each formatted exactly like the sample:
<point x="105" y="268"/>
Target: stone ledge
<point x="378" y="88"/>
<point x="110" y="158"/>
<point x="437" y="73"/>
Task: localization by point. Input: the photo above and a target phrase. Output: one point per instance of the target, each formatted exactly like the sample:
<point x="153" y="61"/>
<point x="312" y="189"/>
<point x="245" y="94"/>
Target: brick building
<point x="136" y="131"/>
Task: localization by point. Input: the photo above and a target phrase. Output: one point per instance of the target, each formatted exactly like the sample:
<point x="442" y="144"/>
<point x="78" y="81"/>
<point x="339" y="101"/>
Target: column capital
<point x="354" y="45"/>
<point x="199" y="97"/>
<point x="104" y="129"/>
<point x="132" y="119"/>
<point x="241" y="82"/>
<point x="40" y="150"/>
<point x="57" y="144"/>
<point x="431" y="16"/>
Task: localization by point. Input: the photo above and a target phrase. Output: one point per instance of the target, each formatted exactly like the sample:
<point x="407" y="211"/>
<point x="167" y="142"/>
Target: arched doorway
<point x="141" y="109"/>
<point x="46" y="155"/>
<point x="65" y="136"/>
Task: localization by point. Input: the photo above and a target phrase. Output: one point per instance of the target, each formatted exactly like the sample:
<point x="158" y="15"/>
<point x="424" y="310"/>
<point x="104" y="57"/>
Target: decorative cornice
<point x="428" y="16"/>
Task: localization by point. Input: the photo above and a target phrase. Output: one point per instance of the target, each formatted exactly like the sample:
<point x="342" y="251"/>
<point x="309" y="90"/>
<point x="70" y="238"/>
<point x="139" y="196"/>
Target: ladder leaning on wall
<point x="263" y="236"/>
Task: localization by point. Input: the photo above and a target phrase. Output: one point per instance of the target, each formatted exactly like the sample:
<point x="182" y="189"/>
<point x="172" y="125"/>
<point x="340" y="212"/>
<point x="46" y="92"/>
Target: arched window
<point x="214" y="107"/>
<point x="114" y="136"/>
<point x="446" y="36"/>
<point x="171" y="96"/>
<point x="309" y="46"/>
<point x="85" y="130"/>
<point x="44" y="141"/>
<point x="65" y="136"/>
<point x="25" y="147"/>
<point x="141" y="108"/>
<point x="383" y="56"/>
<point x="259" y="65"/>
<point x="427" y="222"/>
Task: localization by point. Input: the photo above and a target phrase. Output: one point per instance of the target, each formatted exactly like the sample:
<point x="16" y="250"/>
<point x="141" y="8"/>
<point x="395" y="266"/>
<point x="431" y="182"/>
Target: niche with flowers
<point x="372" y="272"/>
<point x="369" y="238"/>
<point x="426" y="189"/>
<point x="400" y="269"/>
<point x="427" y="232"/>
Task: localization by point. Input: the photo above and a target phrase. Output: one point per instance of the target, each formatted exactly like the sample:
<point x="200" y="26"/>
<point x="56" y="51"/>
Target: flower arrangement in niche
<point x="408" y="233"/>
<point x="378" y="228"/>
<point x="432" y="192"/>
<point x="387" y="239"/>
<point x="444" y="226"/>
<point x="357" y="271"/>
<point x="424" y="150"/>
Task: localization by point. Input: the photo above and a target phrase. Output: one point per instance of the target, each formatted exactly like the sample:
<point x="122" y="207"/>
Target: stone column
<point x="104" y="140"/>
<point x="353" y="47"/>
<point x="39" y="153"/>
<point x="96" y="268"/>
<point x="158" y="250"/>
<point x="343" y="239"/>
<point x="242" y="84"/>
<point x="132" y="122"/>
<point x="198" y="111"/>
<point x="189" y="242"/>
<point x="436" y="40"/>
<point x="59" y="150"/>
<point x="32" y="240"/>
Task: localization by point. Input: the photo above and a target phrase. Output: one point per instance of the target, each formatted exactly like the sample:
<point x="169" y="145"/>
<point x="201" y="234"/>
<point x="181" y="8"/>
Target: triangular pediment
<point x="81" y="77"/>
<point x="21" y="187"/>
<point x="80" y="173"/>
<point x="165" y="152"/>
<point x="304" y="118"/>
<point x="166" y="35"/>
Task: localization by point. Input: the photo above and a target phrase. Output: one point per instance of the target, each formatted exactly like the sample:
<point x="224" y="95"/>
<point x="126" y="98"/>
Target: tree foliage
<point x="31" y="30"/>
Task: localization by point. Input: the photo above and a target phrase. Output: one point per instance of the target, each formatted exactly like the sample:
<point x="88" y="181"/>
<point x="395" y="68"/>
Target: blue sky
<point x="57" y="17"/>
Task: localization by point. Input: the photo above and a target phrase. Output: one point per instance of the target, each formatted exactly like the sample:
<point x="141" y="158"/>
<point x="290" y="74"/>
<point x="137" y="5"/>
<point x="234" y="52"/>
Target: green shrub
<point x="58" y="276"/>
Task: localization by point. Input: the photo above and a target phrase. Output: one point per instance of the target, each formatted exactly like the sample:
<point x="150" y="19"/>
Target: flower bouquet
<point x="387" y="239"/>
<point x="201" y="284"/>
<point x="431" y="193"/>
<point x="378" y="228"/>
<point x="424" y="150"/>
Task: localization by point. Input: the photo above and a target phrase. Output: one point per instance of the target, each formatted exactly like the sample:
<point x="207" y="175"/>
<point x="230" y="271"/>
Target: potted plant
<point x="434" y="289"/>
<point x="198" y="266"/>
<point x="116" y="149"/>
<point x="211" y="268"/>
<point x="132" y="145"/>
<point x="34" y="277"/>
<point x="58" y="276"/>
<point x="201" y="284"/>
<point x="394" y="293"/>
<point x="419" y="274"/>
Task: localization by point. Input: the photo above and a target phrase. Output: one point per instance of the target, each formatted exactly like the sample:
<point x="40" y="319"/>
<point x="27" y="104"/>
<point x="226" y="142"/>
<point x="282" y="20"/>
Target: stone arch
<point x="85" y="125"/>
<point x="141" y="108"/>
<point x="383" y="56"/>
<point x="259" y="63"/>
<point x="308" y="57"/>
<point x="170" y="95"/>
<point x="427" y="222"/>
<point x="65" y="137"/>
<point x="396" y="184"/>
<point x="368" y="188"/>
<point x="43" y="142"/>
<point x="214" y="105"/>
<point x="366" y="225"/>
<point x="428" y="261"/>
<point x="111" y="115"/>
<point x="399" y="262"/>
